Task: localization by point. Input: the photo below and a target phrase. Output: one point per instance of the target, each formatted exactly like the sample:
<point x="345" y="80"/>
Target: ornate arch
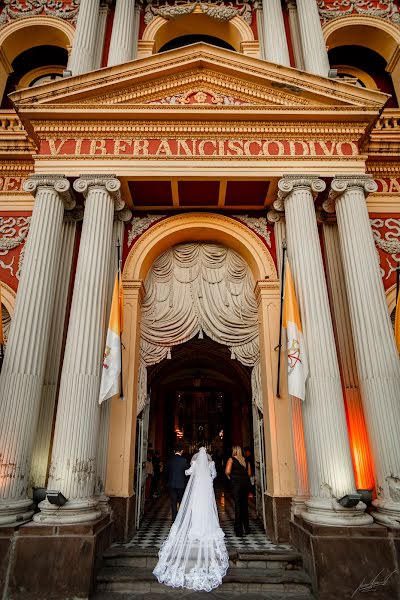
<point x="199" y="227"/>
<point x="16" y="38"/>
<point x="159" y="31"/>
<point x="8" y="297"/>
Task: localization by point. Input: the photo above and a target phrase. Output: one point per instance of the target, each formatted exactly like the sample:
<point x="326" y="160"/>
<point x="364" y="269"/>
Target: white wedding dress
<point x="194" y="555"/>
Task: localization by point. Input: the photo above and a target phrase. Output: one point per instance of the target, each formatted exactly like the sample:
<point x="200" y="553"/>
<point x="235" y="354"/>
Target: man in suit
<point x="176" y="467"/>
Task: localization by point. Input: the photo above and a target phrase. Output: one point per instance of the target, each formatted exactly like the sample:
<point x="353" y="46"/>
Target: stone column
<point x="313" y="42"/>
<point x="100" y="34"/>
<point x="297" y="429"/>
<point x="295" y="34"/>
<point x="83" y="51"/>
<point x="359" y="444"/>
<point x="275" y="42"/>
<point x="123" y="33"/>
<point x="136" y="32"/>
<point x="23" y="370"/>
<point x="41" y="448"/>
<point x="260" y="26"/>
<point x="377" y="357"/>
<point x="73" y="462"/>
<point x="105" y="407"/>
<point x="330" y="470"/>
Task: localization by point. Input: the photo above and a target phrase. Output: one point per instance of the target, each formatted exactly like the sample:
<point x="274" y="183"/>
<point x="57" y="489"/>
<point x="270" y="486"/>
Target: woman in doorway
<point x="194" y="555"/>
<point x="239" y="474"/>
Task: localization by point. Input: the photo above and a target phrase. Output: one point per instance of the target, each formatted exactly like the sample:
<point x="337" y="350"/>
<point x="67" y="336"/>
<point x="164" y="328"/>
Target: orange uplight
<point x="359" y="444"/>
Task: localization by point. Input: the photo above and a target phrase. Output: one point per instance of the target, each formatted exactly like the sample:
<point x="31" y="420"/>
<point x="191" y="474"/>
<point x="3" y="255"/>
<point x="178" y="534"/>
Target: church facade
<point x="201" y="139"/>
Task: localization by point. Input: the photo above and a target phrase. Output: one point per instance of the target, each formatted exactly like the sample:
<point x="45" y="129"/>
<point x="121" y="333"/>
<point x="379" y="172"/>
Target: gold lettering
<point x="141" y="148"/>
<point x="12" y="183"/>
<point x="352" y="145"/>
<point x="55" y="148"/>
<point x="164" y="148"/>
<point x="298" y="144"/>
<point x="123" y="147"/>
<point x="394" y="186"/>
<point x="183" y="148"/>
<point x="267" y="148"/>
<point x="311" y="145"/>
<point x="325" y="149"/>
<point x="247" y="147"/>
<point x="202" y="151"/>
<point x="98" y="145"/>
<point x="236" y="147"/>
<point x="78" y="147"/>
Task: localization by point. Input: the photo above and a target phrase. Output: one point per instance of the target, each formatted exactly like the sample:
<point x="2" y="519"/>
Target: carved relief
<point x="140" y="224"/>
<point x="200" y="96"/>
<point x="179" y="8"/>
<point x="13" y="233"/>
<point x="331" y="9"/>
<point x="64" y="9"/>
<point x="257" y="224"/>
<point x="386" y="234"/>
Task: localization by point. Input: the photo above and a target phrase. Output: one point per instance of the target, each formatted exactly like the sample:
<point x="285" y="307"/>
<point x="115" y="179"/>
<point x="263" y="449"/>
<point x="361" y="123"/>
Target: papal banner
<point x="296" y="355"/>
<point x="110" y="378"/>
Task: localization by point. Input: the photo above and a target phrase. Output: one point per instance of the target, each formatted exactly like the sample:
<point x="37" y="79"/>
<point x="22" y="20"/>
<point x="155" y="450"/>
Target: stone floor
<point x="189" y="595"/>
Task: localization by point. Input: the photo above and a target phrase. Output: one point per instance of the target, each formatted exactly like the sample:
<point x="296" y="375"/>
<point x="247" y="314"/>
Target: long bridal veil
<point x="194" y="554"/>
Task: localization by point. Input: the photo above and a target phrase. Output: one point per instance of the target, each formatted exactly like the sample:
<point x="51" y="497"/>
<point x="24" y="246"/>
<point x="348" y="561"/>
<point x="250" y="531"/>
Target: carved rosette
<point x="291" y="182"/>
<point x="109" y="182"/>
<point x="57" y="182"/>
<point x="343" y="183"/>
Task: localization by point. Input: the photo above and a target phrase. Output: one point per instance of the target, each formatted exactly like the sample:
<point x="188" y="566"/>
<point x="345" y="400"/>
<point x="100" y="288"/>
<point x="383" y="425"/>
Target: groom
<point x="176" y="467"/>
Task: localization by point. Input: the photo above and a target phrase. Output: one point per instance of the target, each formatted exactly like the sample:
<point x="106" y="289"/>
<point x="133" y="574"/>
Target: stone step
<point x="134" y="579"/>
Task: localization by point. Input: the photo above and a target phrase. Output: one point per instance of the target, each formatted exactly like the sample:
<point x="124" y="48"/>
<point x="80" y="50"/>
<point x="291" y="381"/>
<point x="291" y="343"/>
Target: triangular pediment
<point x="196" y="77"/>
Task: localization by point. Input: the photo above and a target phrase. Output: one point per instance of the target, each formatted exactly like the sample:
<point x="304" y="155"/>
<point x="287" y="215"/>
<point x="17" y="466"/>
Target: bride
<point x="194" y="555"/>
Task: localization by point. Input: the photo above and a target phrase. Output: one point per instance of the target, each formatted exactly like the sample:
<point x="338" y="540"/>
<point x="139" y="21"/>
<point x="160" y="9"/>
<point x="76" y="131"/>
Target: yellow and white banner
<point x="296" y="356"/>
<point x="110" y="378"/>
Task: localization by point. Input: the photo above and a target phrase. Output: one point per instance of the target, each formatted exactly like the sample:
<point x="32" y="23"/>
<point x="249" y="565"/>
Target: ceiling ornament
<point x="332" y="9"/>
<point x="215" y="10"/>
<point x="63" y="9"/>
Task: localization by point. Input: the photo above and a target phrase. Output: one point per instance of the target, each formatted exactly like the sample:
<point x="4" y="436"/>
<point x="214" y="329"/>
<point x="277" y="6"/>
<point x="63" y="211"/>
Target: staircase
<point x="127" y="571"/>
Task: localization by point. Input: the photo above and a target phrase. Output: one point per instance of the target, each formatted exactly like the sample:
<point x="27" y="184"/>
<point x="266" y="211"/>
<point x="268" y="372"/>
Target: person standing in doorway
<point x="176" y="467"/>
<point x="239" y="473"/>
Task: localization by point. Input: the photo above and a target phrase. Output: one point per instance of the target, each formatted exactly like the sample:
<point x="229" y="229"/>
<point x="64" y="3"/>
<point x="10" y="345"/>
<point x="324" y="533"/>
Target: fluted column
<point x="295" y="34"/>
<point x="83" y="52"/>
<point x="23" y="370"/>
<point x="105" y="407"/>
<point x="258" y="8"/>
<point x="297" y="429"/>
<point x="359" y="444"/>
<point x="41" y="448"/>
<point x="100" y="34"/>
<point x="73" y="461"/>
<point x="123" y="33"/>
<point x="275" y="42"/>
<point x="377" y="357"/>
<point x="330" y="471"/>
<point x="314" y="48"/>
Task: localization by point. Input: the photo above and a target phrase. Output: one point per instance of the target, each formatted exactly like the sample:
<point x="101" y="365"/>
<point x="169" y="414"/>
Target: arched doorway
<point x="121" y="462"/>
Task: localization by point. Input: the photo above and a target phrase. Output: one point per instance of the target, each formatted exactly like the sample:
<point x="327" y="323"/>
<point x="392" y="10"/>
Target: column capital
<point x="273" y="216"/>
<point x="124" y="215"/>
<point x="108" y="182"/>
<point x="342" y="183"/>
<point x="288" y="183"/>
<point x="59" y="183"/>
<point x="73" y="216"/>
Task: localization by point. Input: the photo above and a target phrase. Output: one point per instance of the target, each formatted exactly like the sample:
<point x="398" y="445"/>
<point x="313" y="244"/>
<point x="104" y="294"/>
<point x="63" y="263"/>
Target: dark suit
<point x="176" y="467"/>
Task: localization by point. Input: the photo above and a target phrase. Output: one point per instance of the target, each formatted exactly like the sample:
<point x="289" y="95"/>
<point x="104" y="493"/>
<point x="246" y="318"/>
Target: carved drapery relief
<point x="332" y="9"/>
<point x="215" y="10"/>
<point x="13" y="233"/>
<point x="386" y="234"/>
<point x="64" y="9"/>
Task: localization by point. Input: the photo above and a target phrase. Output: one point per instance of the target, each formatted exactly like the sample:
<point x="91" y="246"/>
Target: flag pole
<point x="397" y="283"/>
<point x="121" y="392"/>
<point x="279" y="346"/>
<point x="1" y="354"/>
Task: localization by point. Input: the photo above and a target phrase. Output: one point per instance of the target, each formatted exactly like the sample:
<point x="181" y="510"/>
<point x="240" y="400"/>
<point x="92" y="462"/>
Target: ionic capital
<point x="58" y="183"/>
<point x="110" y="183"/>
<point x="73" y="216"/>
<point x="343" y="183"/>
<point x="124" y="215"/>
<point x="289" y="183"/>
<point x="273" y="216"/>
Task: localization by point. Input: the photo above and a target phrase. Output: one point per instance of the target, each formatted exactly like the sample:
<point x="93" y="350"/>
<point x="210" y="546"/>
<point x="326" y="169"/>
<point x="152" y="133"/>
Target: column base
<point x="341" y="560"/>
<point x="298" y="505"/>
<point x="104" y="504"/>
<point x="47" y="562"/>
<point x="328" y="511"/>
<point x="16" y="512"/>
<point x="74" y="511"/>
<point x="387" y="513"/>
<point x="123" y="510"/>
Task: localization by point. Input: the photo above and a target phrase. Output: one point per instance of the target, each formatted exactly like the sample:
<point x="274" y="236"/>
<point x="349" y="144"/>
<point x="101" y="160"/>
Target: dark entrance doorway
<point x="200" y="396"/>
